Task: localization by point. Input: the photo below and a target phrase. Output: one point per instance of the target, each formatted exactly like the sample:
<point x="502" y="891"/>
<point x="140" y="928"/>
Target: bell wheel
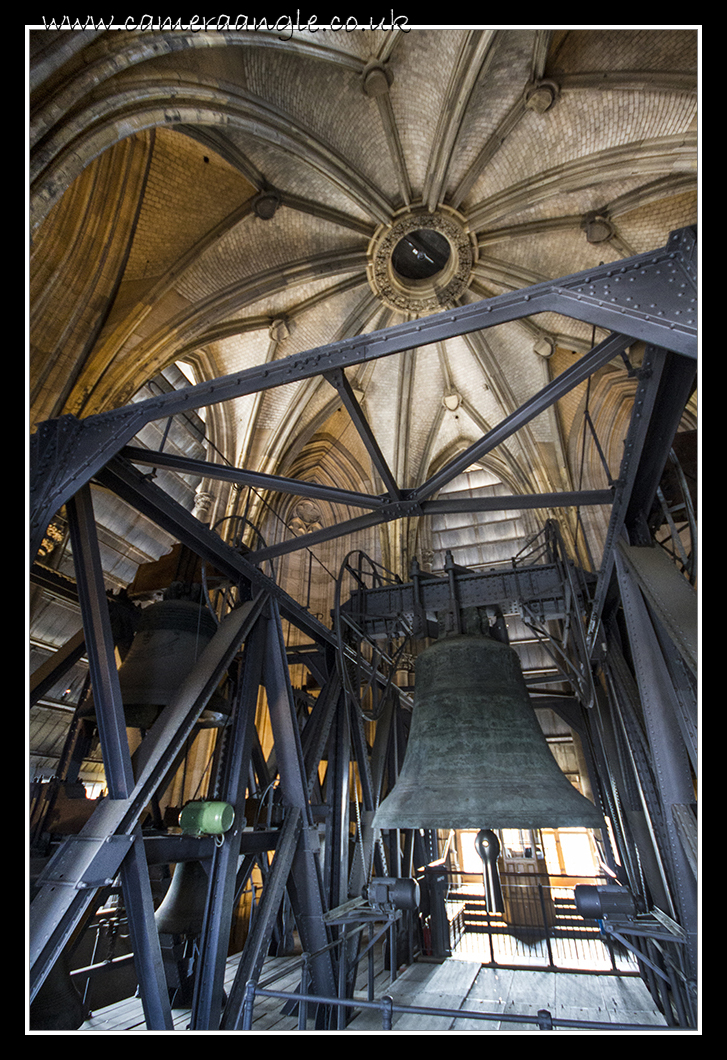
<point x="219" y="593"/>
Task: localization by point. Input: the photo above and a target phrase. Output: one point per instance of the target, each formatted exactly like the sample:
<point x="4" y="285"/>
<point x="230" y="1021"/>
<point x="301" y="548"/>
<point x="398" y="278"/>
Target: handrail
<point x="526" y="877"/>
<point x="305" y="958"/>
<point x="304" y="962"/>
<point x="544" y="1020"/>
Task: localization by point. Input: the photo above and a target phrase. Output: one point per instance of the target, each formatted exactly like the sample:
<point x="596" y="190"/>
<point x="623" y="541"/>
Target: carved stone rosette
<point x="438" y="292"/>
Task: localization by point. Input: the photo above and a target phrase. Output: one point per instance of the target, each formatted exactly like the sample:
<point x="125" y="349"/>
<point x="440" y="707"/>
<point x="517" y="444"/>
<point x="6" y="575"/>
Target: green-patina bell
<point x="476" y="756"/>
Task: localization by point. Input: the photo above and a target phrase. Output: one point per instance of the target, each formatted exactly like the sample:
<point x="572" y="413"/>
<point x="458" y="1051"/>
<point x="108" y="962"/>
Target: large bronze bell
<point x="477" y="757"/>
<point x="182" y="911"/>
<point x="170" y="637"/>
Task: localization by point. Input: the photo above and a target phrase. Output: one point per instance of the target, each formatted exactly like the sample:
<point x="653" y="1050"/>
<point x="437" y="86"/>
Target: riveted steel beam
<point x="256" y="479"/>
<point x="338" y="380"/>
<point x="409" y="506"/>
<point x="650" y="297"/>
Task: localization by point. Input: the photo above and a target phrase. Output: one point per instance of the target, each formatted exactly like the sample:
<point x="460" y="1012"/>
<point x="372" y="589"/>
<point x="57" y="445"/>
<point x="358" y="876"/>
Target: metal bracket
<point x="87" y="861"/>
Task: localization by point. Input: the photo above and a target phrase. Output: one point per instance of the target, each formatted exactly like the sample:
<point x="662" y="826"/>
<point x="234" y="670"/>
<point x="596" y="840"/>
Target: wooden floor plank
<point x="457" y="985"/>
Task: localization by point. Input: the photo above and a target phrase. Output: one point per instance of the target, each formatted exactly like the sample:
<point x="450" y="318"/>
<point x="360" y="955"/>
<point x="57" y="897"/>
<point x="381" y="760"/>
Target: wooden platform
<point x="454" y="984"/>
<point x="268" y="1015"/>
<point x="128" y="1015"/>
<point x="469" y="987"/>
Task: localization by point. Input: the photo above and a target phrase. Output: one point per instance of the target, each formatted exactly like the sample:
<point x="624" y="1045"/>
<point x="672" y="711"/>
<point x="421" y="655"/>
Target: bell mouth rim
<point x="473" y="712"/>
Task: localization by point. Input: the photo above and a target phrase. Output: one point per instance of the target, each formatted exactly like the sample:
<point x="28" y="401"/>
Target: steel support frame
<point x="671" y="764"/>
<point x="256" y="945"/>
<point x="663" y="388"/>
<point x="631" y="766"/>
<point x="134" y="871"/>
<point x="91" y="859"/>
<point x="296" y="862"/>
<point x="661" y="768"/>
<point x="305" y="882"/>
<point x="664" y="385"/>
<point x="338" y="801"/>
<point x="208" y="997"/>
<point x="67" y="454"/>
<point x="53" y="931"/>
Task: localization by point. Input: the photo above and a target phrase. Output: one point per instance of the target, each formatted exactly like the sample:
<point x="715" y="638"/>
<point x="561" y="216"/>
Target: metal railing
<point x="543" y="1019"/>
<point x="538" y="927"/>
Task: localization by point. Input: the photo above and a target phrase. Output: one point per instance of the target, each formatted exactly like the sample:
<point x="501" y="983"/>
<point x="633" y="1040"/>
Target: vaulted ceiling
<point x="223" y="199"/>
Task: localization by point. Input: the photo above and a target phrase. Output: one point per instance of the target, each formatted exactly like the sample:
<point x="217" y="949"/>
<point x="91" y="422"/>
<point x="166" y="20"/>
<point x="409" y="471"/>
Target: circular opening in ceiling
<point x="421" y="261"/>
<point x="421" y="254"/>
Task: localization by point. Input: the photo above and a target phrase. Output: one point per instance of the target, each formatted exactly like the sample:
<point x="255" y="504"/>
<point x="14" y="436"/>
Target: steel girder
<point x="190" y="466"/>
<point x="67" y="454"/>
<point x="665" y="383"/>
<point x="671" y="765"/>
<point x="650" y="297"/>
<point x="92" y="858"/>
